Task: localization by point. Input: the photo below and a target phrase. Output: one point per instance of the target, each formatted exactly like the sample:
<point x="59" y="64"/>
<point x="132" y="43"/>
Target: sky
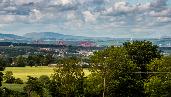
<point x="94" y="18"/>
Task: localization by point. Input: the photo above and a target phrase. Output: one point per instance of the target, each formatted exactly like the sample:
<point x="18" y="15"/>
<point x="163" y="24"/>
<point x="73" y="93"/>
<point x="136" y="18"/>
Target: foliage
<point x="8" y="77"/>
<point x="20" y="61"/>
<point x="18" y="81"/>
<point x="4" y="92"/>
<point x="159" y="82"/>
<point x="93" y="85"/>
<point x="1" y="78"/>
<point x="44" y="79"/>
<point x="33" y="85"/>
<point x="31" y="61"/>
<point x="142" y="53"/>
<point x="117" y="72"/>
<point x="67" y="80"/>
<point x="3" y="63"/>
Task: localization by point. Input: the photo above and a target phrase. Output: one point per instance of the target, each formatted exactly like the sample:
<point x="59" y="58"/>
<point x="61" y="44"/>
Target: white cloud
<point x="163" y="19"/>
<point x="88" y="16"/>
<point x="5" y="19"/>
<point x="162" y="13"/>
<point x="35" y="15"/>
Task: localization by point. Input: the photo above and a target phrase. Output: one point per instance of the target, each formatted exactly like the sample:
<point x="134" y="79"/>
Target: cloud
<point x="88" y="16"/>
<point x="94" y="14"/>
<point x="162" y="13"/>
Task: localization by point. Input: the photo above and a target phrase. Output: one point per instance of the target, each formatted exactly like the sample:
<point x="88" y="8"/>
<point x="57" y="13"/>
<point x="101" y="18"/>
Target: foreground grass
<point x="15" y="87"/>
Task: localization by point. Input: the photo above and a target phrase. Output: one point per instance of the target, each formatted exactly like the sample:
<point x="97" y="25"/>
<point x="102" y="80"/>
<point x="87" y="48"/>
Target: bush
<point x="5" y="92"/>
<point x="8" y="77"/>
<point x="18" y="81"/>
<point x="44" y="79"/>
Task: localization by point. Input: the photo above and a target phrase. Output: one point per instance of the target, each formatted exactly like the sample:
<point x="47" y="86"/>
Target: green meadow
<point x="23" y="72"/>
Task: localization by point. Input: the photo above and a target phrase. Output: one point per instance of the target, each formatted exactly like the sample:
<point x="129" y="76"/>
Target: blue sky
<point x="100" y="18"/>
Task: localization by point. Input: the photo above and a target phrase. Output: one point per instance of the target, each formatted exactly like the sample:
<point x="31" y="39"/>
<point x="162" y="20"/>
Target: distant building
<point x="87" y="44"/>
<point x="85" y="53"/>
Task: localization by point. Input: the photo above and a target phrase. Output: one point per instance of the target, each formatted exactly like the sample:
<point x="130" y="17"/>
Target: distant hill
<point x="10" y="36"/>
<point x="56" y="36"/>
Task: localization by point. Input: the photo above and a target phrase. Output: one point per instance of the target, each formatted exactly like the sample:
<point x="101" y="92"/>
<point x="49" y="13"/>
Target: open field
<point x="23" y="72"/>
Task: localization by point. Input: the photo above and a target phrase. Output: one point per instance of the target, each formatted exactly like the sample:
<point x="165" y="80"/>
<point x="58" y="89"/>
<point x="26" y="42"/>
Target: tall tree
<point x="159" y="82"/>
<point x="117" y="72"/>
<point x="67" y="79"/>
<point x="142" y="53"/>
<point x="20" y="61"/>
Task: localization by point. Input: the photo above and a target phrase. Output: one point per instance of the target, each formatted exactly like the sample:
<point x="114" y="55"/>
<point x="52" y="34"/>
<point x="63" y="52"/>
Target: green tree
<point x="20" y="61"/>
<point x="48" y="59"/>
<point x="142" y="53"/>
<point x="44" y="79"/>
<point x="159" y="82"/>
<point x="31" y="60"/>
<point x="33" y="85"/>
<point x="8" y="77"/>
<point x="117" y="72"/>
<point x="3" y="63"/>
<point x="1" y="78"/>
<point x="67" y="80"/>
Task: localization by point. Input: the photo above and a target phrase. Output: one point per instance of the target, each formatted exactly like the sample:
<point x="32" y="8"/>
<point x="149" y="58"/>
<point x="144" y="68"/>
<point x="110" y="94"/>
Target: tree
<point x="8" y="77"/>
<point x="33" y="85"/>
<point x="142" y="53"/>
<point x="31" y="60"/>
<point x="48" y="59"/>
<point x="159" y="82"/>
<point x="117" y="72"/>
<point x="3" y="63"/>
<point x="44" y="79"/>
<point x="1" y="78"/>
<point x="67" y="80"/>
<point x="20" y="61"/>
<point x="2" y="67"/>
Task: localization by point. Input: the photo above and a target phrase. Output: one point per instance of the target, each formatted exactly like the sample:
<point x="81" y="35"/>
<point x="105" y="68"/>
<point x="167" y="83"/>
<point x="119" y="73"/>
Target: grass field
<point x="15" y="87"/>
<point x="23" y="72"/>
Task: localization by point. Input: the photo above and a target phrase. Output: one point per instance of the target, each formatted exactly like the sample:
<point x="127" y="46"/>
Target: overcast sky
<point x="102" y="18"/>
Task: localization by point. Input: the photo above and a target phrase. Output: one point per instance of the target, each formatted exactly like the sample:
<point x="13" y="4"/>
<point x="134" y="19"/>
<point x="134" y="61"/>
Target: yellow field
<point x="23" y="72"/>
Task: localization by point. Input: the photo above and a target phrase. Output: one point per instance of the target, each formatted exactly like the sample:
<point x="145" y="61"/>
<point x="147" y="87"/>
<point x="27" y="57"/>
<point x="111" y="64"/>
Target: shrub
<point x="8" y="77"/>
<point x="18" y="81"/>
<point x="44" y="79"/>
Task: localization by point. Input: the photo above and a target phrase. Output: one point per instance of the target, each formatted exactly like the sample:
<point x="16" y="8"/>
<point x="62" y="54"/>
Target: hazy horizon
<point x="90" y="18"/>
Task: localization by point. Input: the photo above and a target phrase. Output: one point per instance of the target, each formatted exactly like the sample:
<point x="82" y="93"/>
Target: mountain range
<point x="10" y="36"/>
<point x="54" y="36"/>
<point x="48" y="36"/>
